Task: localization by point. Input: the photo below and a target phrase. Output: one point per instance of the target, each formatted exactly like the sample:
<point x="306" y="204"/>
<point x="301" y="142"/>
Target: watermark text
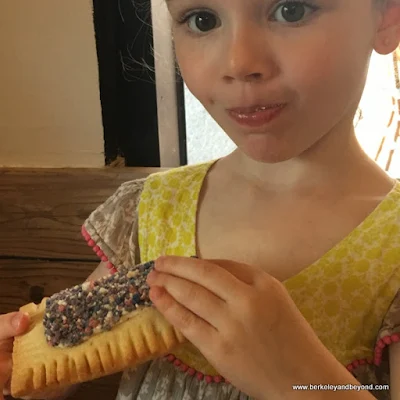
<point x="335" y="388"/>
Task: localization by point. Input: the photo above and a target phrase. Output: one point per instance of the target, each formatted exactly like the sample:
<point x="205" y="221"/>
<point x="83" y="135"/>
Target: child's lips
<point x="255" y="108"/>
<point x="256" y="116"/>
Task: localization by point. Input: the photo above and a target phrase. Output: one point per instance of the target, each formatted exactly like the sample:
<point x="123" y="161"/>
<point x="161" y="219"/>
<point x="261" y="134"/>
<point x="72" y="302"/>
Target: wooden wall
<point x="41" y="248"/>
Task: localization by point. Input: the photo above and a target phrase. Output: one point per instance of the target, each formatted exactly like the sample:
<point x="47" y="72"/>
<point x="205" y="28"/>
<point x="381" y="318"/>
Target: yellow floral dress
<point x="350" y="296"/>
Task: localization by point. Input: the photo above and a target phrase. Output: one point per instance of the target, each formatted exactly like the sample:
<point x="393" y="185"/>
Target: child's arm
<point x="99" y="272"/>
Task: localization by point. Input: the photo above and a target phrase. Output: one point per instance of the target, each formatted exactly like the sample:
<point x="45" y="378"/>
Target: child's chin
<point x="270" y="154"/>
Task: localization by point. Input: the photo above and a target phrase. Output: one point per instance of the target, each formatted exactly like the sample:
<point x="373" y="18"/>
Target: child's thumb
<point x="13" y="324"/>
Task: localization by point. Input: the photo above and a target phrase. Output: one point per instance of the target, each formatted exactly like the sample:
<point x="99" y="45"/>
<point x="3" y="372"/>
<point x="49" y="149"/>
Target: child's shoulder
<point x="181" y="174"/>
<point x="128" y="195"/>
<point x="388" y="210"/>
<point x="171" y="177"/>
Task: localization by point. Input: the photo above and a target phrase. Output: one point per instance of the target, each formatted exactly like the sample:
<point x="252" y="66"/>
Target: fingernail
<point x="16" y="320"/>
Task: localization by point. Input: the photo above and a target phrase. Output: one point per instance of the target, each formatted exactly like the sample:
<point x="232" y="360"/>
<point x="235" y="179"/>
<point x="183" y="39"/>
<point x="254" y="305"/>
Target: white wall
<point x="50" y="113"/>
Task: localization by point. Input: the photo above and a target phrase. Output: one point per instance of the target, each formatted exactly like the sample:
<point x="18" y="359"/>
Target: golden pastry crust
<point x="139" y="336"/>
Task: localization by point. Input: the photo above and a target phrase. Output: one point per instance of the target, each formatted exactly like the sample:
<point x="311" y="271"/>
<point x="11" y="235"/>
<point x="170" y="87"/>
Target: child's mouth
<point x="256" y="116"/>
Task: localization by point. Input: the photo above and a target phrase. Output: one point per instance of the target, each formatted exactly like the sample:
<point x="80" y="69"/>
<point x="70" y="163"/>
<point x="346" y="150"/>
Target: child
<point x="296" y="231"/>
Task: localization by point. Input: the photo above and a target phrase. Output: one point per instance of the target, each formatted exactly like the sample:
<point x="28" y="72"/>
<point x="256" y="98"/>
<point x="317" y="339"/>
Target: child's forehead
<point x="232" y="3"/>
<point x="356" y="9"/>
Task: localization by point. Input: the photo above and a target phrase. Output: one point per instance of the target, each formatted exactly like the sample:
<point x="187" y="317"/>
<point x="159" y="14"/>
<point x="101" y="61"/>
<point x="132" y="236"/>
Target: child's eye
<point x="201" y="21"/>
<point x="293" y="11"/>
<point x="289" y="12"/>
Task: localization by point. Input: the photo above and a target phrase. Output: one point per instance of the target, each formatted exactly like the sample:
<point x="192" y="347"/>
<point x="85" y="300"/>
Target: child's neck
<point x="336" y="160"/>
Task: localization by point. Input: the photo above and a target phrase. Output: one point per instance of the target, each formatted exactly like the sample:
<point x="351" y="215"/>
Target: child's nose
<point x="249" y="57"/>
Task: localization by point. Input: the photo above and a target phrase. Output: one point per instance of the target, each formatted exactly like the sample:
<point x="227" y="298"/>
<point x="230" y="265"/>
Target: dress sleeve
<point x="389" y="332"/>
<point x="377" y="372"/>
<point x="112" y="229"/>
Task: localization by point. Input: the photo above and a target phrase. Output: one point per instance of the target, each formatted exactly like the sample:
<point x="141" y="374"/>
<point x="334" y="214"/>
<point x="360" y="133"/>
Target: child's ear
<point x="387" y="37"/>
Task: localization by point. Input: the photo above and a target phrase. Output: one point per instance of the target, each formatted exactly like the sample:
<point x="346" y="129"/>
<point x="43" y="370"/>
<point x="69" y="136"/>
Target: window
<point x="377" y="124"/>
<point x="131" y="113"/>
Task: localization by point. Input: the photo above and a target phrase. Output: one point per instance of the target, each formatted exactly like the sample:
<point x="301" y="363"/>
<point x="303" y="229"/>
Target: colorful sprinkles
<point x="75" y="314"/>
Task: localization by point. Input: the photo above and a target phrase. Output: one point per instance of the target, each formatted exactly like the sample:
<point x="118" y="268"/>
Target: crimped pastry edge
<point x="139" y="336"/>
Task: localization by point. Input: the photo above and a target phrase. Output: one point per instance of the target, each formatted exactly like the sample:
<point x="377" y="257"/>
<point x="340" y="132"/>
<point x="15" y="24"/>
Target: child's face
<point x="311" y="55"/>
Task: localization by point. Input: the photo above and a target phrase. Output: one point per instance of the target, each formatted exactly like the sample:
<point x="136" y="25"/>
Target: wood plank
<point x="22" y="282"/>
<point x="42" y="210"/>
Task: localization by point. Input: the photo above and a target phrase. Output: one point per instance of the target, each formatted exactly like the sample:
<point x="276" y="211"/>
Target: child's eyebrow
<point x="177" y="1"/>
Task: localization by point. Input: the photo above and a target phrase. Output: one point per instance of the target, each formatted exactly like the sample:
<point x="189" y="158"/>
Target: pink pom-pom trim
<point x="379" y="347"/>
<point x="98" y="250"/>
<point x="192" y="372"/>
<point x="184" y="367"/>
<point x="177" y="362"/>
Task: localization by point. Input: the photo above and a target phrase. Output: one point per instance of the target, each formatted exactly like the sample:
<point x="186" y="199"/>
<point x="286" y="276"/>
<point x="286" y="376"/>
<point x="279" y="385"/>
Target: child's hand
<point x="12" y="324"/>
<point x="242" y="320"/>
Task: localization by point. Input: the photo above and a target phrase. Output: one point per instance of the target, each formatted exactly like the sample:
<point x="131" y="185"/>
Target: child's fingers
<point x="195" y="298"/>
<point x="5" y="373"/>
<point x="244" y="272"/>
<point x="7" y="387"/>
<point x="253" y="275"/>
<point x="13" y="324"/>
<point x="6" y="346"/>
<point x="192" y="327"/>
<point x="208" y="274"/>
